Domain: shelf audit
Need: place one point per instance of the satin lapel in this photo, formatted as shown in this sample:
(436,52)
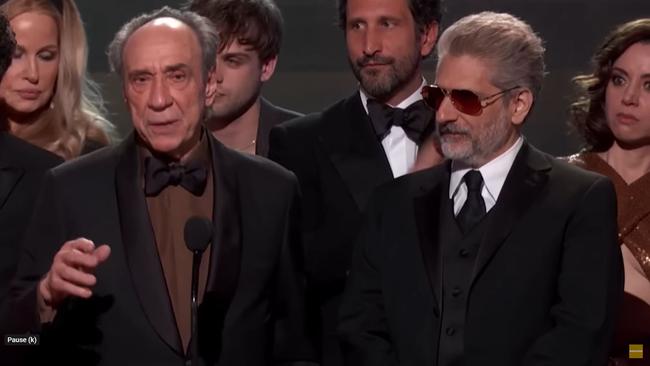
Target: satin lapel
(427,215)
(140,248)
(225,255)
(267,120)
(9,177)
(9,174)
(521,189)
(226,245)
(355,151)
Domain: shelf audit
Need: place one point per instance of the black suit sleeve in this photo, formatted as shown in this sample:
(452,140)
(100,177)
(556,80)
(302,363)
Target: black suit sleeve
(293,344)
(325,235)
(43,233)
(43,238)
(590,286)
(363,327)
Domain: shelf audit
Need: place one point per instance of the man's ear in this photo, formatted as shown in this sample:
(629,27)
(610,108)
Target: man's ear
(520,105)
(210,87)
(428,39)
(268,68)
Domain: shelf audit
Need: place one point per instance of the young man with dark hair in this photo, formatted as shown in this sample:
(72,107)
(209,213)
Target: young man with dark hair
(250,33)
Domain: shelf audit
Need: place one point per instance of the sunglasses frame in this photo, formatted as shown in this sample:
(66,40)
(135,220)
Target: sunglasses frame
(448,93)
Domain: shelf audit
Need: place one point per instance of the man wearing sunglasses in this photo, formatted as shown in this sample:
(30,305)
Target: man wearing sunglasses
(341,154)
(500,256)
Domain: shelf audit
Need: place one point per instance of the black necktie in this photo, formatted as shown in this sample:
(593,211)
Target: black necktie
(474,208)
(415,119)
(159,174)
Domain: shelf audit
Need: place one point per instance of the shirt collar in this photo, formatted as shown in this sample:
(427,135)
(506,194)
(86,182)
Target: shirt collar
(494,172)
(416,96)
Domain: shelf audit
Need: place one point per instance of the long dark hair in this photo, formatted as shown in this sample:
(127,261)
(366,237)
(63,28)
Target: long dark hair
(588,112)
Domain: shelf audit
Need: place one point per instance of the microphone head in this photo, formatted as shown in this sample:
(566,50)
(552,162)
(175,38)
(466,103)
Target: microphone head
(197,233)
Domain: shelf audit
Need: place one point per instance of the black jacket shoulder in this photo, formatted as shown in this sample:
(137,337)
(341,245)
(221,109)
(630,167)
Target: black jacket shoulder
(27,155)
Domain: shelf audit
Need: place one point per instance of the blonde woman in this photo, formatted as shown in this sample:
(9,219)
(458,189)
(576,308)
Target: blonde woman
(46,96)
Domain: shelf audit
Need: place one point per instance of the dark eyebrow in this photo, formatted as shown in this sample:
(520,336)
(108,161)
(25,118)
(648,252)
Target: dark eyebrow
(135,73)
(356,20)
(235,54)
(619,70)
(177,67)
(385,18)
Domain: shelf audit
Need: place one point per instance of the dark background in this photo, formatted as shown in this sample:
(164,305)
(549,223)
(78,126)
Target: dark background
(313,70)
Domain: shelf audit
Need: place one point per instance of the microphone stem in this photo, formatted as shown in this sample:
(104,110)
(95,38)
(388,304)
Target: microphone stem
(194,346)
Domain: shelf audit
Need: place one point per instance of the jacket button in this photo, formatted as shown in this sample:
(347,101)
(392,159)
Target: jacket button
(450,331)
(456,291)
(463,252)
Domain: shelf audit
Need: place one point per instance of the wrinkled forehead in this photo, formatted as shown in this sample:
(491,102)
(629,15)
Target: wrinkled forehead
(162,41)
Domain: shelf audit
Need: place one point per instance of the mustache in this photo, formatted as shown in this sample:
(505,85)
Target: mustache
(374,59)
(451,128)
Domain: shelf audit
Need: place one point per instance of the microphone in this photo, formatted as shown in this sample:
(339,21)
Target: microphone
(197,234)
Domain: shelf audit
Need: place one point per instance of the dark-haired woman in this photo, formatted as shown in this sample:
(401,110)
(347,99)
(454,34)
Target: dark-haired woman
(613,118)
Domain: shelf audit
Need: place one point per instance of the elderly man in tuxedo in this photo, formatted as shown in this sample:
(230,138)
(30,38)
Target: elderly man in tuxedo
(106,274)
(501,256)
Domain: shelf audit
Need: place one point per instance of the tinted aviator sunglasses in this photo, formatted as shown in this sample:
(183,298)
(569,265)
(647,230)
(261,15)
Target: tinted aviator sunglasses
(464,101)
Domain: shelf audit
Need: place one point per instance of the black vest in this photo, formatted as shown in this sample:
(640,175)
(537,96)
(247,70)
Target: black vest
(458,253)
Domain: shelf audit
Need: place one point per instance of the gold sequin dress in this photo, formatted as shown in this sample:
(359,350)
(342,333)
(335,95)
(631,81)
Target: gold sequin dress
(634,233)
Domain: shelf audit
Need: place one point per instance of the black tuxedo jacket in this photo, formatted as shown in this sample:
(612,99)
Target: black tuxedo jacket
(545,286)
(270,116)
(22,167)
(338,161)
(253,289)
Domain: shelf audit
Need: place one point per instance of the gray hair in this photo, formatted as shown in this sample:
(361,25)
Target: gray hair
(203,28)
(507,42)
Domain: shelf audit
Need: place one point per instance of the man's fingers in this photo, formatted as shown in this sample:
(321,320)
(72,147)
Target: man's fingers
(71,271)
(77,277)
(61,289)
(75,258)
(81,244)
(102,252)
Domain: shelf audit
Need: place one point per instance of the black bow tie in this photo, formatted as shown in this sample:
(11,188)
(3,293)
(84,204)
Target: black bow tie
(158,174)
(415,119)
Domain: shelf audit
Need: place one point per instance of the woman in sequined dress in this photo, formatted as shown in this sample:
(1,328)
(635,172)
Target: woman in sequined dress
(613,118)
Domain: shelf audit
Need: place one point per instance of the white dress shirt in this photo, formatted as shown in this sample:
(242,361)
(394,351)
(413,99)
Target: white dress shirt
(494,175)
(400,150)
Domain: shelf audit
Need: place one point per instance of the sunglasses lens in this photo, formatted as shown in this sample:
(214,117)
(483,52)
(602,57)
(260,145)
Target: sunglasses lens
(466,101)
(433,96)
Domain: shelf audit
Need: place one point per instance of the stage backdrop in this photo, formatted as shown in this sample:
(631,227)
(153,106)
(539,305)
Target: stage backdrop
(313,71)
